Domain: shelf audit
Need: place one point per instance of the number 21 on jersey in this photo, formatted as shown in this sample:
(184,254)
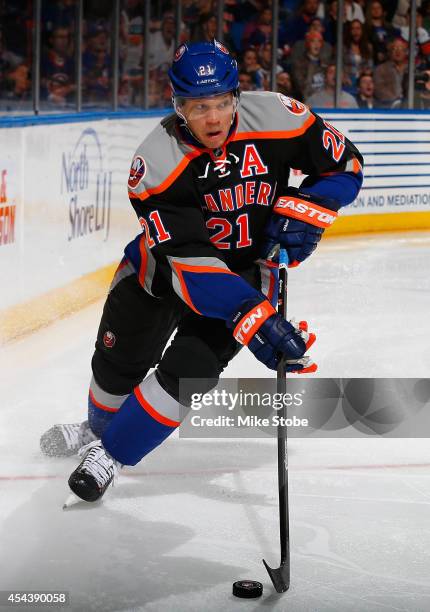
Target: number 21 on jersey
(157,233)
(225,230)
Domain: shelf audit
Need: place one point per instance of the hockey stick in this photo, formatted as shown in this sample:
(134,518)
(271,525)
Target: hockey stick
(280,576)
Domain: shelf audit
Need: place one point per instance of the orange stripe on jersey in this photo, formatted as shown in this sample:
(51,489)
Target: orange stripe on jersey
(356,168)
(101,406)
(277,134)
(204,269)
(311,213)
(184,289)
(181,268)
(232,138)
(271,264)
(169,180)
(249,324)
(151,410)
(143,260)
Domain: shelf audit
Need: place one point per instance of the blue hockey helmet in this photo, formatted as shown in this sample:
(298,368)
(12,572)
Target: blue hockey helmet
(203,69)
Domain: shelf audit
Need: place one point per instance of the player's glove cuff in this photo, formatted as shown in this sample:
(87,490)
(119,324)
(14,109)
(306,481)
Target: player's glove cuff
(297,224)
(307,209)
(270,337)
(249,318)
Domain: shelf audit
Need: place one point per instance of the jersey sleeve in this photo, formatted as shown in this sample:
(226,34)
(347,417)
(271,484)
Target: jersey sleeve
(305,142)
(176,241)
(332,162)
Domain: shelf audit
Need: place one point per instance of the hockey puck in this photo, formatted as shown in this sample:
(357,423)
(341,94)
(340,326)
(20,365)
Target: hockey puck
(247,589)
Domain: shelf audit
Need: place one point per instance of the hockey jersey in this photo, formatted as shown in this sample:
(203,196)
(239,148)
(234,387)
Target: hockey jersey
(203,211)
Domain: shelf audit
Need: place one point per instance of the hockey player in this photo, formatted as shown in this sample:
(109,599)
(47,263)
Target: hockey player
(210,188)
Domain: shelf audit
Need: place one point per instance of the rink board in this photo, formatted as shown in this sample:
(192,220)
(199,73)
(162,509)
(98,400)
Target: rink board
(65,215)
(396,189)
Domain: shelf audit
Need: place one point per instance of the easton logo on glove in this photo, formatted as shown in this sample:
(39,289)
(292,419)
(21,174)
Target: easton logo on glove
(305,211)
(252,321)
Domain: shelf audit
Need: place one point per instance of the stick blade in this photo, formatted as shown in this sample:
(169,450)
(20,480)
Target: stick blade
(280,576)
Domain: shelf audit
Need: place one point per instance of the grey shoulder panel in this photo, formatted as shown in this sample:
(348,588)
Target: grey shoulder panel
(158,158)
(267,111)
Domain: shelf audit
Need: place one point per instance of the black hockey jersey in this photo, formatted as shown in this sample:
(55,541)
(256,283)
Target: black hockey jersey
(203,211)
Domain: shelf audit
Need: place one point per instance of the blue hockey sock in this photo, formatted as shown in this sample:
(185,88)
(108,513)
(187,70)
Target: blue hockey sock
(102,407)
(147,417)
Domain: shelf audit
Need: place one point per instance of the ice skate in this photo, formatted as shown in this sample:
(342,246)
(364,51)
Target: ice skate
(66,440)
(94,474)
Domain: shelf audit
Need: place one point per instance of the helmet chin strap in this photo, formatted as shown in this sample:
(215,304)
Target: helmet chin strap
(177,111)
(184,119)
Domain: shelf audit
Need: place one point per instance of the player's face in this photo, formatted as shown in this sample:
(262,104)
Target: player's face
(209,119)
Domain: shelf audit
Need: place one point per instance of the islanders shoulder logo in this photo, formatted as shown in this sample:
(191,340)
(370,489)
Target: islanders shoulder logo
(137,171)
(293,106)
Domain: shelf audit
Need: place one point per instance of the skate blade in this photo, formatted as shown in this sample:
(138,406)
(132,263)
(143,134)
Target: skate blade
(72,500)
(75,502)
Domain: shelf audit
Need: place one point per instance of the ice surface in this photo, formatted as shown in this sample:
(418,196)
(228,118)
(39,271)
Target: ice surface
(195,516)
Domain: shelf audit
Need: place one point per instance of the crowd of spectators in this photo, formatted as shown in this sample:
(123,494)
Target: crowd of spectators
(15,54)
(374,50)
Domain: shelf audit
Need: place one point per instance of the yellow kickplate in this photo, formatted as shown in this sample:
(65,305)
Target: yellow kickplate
(22,319)
(380,222)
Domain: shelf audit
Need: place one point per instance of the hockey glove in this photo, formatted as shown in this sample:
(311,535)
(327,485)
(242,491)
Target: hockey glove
(297,224)
(258,326)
